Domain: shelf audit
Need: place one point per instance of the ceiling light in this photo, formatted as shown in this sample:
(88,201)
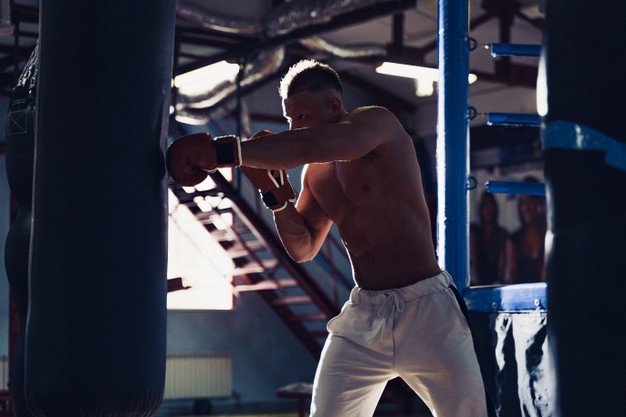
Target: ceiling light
(206,78)
(404,70)
(425,77)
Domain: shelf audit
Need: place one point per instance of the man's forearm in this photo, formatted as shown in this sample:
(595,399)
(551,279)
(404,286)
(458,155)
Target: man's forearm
(295,234)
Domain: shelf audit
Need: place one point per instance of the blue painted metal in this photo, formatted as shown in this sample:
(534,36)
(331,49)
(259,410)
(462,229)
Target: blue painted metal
(513,119)
(518,297)
(562,134)
(453,169)
(516,187)
(453,140)
(506,49)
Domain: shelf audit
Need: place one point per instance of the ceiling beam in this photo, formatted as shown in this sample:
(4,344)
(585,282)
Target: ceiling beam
(350,18)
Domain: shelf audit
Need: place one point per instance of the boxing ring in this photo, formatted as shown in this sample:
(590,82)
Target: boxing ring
(572,367)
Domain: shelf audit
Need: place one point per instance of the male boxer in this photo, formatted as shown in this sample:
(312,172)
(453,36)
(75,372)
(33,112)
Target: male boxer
(361,173)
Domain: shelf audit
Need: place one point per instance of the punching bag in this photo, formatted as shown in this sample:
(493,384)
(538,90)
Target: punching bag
(582,72)
(20,151)
(95,339)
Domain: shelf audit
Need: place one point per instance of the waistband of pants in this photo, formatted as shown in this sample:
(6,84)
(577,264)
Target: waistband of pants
(427,286)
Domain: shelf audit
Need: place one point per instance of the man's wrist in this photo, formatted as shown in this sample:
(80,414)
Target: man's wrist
(284,206)
(227,151)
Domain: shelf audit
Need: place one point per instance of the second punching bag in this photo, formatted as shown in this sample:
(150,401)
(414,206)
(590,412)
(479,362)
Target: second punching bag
(95,342)
(585,166)
(20,151)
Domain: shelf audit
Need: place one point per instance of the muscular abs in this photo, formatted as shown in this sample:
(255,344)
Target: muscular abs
(384,230)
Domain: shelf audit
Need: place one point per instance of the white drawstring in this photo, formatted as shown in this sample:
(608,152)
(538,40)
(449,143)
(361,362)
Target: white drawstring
(392,300)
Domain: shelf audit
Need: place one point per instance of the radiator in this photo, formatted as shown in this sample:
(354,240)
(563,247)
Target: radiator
(198,375)
(4,372)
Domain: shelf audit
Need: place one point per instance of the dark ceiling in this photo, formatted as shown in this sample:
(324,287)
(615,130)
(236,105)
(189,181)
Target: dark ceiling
(353,35)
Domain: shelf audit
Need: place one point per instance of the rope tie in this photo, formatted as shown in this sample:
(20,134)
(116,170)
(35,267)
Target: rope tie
(392,301)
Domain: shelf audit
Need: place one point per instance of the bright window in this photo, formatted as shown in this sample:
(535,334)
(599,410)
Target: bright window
(201,263)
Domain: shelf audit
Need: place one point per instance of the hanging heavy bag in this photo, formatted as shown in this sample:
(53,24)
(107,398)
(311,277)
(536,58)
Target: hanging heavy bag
(95,341)
(19,153)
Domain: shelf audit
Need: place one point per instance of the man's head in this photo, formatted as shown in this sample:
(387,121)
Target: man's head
(311,94)
(309,75)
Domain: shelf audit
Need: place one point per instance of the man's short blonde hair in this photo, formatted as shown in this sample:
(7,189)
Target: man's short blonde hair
(310,75)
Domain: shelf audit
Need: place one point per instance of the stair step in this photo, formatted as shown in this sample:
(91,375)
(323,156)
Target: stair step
(235,249)
(267,285)
(251,269)
(222,210)
(219,234)
(211,218)
(287,282)
(205,216)
(292,300)
(212,192)
(309,317)
(259,286)
(255,267)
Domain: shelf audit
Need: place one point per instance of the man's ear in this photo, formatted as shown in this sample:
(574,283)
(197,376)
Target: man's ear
(336,105)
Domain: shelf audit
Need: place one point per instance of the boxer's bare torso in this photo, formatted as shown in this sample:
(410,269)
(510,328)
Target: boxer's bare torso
(383,223)
(361,174)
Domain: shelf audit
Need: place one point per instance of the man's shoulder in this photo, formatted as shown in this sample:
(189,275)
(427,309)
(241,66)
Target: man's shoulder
(369,110)
(372,114)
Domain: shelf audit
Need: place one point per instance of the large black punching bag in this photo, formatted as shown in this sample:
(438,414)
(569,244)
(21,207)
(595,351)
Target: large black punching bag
(95,342)
(583,73)
(20,152)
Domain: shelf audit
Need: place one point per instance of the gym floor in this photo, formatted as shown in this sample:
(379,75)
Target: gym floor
(289,407)
(379,413)
(295,414)
(417,413)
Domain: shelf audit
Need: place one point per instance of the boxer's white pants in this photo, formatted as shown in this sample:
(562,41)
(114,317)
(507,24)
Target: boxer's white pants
(416,332)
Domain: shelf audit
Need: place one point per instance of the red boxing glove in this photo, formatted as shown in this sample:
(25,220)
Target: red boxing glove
(274,186)
(191,157)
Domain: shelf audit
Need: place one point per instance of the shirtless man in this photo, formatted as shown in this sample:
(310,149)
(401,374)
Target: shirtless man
(361,173)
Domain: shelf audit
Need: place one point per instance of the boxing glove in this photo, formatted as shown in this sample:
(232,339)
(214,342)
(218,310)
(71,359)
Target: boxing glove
(190,158)
(274,186)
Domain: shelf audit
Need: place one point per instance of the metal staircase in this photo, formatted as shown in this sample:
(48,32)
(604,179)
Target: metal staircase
(261,263)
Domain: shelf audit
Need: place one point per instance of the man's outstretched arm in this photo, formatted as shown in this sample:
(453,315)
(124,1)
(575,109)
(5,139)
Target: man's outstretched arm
(360,132)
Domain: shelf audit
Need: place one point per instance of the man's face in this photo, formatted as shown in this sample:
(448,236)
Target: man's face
(307,109)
